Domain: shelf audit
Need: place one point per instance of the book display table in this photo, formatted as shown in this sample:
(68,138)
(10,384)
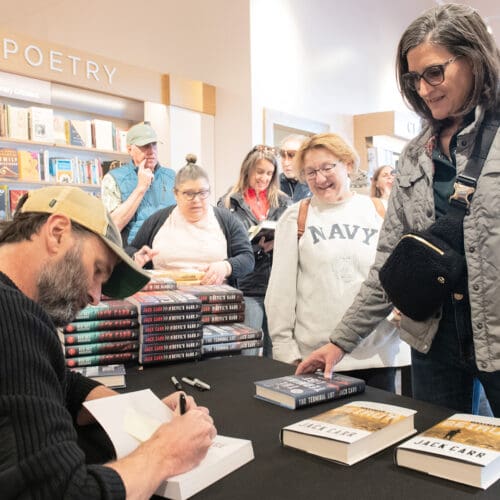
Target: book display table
(283,473)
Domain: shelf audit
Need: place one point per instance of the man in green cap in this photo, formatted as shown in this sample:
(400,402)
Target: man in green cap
(56,255)
(134,191)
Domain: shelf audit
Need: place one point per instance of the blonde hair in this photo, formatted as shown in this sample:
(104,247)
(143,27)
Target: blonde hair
(334,144)
(248,166)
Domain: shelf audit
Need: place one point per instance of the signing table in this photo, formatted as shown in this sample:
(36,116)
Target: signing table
(281,473)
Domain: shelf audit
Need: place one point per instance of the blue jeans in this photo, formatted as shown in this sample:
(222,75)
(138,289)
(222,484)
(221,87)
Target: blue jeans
(445,375)
(255,317)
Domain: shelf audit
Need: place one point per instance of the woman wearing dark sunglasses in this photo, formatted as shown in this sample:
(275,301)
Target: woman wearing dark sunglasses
(448,71)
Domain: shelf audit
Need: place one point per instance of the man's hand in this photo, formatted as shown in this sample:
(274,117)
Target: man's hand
(144,255)
(144,177)
(324,358)
(174,448)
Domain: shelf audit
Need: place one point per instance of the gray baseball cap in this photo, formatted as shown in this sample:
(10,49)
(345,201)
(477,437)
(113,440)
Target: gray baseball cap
(141,134)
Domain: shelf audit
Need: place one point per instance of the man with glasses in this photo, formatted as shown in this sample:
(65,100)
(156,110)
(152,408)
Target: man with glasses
(134,191)
(289,183)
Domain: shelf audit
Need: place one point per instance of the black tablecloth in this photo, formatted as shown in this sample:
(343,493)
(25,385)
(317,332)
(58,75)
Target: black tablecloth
(283,473)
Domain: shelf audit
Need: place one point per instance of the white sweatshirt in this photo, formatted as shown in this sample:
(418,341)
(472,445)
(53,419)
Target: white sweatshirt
(314,281)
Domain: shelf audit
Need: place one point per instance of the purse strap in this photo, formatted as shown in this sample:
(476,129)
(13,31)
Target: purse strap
(466,182)
(301,219)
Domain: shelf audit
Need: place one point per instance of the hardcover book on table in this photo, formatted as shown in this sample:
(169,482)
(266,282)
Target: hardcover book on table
(132,418)
(108,309)
(101,336)
(216,294)
(101,324)
(109,375)
(164,302)
(295,391)
(463,448)
(215,334)
(351,432)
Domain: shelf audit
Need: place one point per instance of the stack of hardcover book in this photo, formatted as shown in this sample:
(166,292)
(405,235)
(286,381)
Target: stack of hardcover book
(220,303)
(232,338)
(105,334)
(170,326)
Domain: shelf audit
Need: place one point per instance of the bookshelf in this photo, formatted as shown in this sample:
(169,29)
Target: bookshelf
(54,160)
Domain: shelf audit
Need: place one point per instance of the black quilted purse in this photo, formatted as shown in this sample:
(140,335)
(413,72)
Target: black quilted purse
(426,267)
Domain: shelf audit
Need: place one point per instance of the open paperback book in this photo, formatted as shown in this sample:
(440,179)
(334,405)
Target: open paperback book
(263,229)
(132,418)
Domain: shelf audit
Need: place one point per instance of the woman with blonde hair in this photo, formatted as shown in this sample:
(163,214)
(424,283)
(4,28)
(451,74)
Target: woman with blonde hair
(254,198)
(315,279)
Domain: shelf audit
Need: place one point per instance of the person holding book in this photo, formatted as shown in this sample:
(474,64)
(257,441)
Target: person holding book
(71,250)
(254,198)
(314,280)
(289,183)
(134,191)
(207,239)
(447,67)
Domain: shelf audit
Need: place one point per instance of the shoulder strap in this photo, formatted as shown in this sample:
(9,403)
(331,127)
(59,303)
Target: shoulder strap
(301,219)
(466,182)
(379,206)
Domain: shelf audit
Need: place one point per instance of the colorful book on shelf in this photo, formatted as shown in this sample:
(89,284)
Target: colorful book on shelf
(295,391)
(14,197)
(463,448)
(17,121)
(139,414)
(60,130)
(62,169)
(102,133)
(28,163)
(264,229)
(79,133)
(351,432)
(41,124)
(109,375)
(4,202)
(9,166)
(3,120)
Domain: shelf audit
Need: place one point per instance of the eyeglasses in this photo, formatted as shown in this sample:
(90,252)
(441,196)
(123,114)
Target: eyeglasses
(433,75)
(191,195)
(272,150)
(290,154)
(325,170)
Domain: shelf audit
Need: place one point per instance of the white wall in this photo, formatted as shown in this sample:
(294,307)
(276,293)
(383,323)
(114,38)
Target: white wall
(195,39)
(323,60)
(327,60)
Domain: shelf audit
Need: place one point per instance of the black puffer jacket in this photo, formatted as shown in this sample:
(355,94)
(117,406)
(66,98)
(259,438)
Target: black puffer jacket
(255,283)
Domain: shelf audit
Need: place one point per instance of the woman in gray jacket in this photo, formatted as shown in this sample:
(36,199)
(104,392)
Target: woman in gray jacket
(448,72)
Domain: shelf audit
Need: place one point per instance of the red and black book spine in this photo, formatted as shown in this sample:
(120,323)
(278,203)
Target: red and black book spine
(101,324)
(152,338)
(223,308)
(222,318)
(170,327)
(100,336)
(169,356)
(108,309)
(102,359)
(101,348)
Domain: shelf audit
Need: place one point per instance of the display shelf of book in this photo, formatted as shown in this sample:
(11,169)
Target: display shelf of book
(28,143)
(27,184)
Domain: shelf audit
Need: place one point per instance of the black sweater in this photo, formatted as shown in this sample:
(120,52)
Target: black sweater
(39,401)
